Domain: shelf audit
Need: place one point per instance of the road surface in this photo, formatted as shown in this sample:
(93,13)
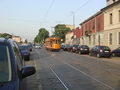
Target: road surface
(69,71)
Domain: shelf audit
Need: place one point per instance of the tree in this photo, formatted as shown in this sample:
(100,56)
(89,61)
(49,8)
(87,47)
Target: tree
(60,31)
(26,41)
(4,35)
(35,39)
(42,35)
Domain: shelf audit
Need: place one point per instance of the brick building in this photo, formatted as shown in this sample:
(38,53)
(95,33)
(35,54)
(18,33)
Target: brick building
(91,32)
(103,28)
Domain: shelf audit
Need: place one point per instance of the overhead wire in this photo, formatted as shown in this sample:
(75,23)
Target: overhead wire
(48,10)
(84,4)
(76,11)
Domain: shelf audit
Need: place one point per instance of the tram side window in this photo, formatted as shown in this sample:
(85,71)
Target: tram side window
(51,42)
(54,41)
(57,41)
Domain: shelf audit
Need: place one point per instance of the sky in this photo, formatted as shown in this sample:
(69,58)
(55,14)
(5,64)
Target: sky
(25,17)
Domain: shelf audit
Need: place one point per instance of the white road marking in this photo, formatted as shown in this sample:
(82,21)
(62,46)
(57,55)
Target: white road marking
(59,79)
(53,54)
(90,76)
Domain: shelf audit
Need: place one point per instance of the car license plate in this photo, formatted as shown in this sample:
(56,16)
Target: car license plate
(85,49)
(106,51)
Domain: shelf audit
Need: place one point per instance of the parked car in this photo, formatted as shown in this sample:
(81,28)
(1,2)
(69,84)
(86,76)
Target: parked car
(116,52)
(74,48)
(66,47)
(100,51)
(30,47)
(83,49)
(62,46)
(12,68)
(37,46)
(25,52)
(69,48)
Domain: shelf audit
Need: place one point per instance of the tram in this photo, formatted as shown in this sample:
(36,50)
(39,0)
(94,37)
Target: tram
(52,43)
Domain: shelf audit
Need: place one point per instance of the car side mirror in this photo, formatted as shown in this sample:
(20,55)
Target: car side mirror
(28,71)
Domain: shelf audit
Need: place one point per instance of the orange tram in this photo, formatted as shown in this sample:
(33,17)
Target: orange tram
(52,43)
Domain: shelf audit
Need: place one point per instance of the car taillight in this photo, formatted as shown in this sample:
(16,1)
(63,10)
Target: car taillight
(101,50)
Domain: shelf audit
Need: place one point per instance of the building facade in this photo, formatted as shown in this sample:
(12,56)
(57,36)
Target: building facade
(109,2)
(69,38)
(77,34)
(103,28)
(92,30)
(70,26)
(112,25)
(17,38)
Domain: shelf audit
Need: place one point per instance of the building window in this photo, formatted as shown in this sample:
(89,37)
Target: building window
(99,39)
(93,25)
(111,17)
(119,38)
(99,25)
(93,39)
(119,15)
(110,38)
(89,40)
(83,40)
(82,30)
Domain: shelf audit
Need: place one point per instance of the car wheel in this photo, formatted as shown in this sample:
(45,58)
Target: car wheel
(80,52)
(98,55)
(90,54)
(28,58)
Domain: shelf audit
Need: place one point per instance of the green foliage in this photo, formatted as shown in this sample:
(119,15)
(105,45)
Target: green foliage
(4,35)
(60,31)
(42,35)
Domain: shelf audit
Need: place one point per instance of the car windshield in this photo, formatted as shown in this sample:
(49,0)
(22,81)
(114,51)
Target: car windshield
(5,64)
(23,47)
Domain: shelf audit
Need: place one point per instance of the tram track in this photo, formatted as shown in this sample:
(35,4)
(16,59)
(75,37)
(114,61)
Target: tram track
(59,68)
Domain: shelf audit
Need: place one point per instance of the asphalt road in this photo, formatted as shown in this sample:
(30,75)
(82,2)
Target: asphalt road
(69,71)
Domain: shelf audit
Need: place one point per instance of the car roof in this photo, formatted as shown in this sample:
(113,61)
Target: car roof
(101,46)
(23,45)
(2,39)
(6,40)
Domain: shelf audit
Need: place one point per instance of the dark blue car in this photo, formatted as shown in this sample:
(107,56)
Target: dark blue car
(116,52)
(25,52)
(12,69)
(100,51)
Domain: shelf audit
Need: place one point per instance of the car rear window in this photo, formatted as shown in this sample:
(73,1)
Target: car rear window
(105,47)
(75,45)
(84,46)
(24,47)
(5,64)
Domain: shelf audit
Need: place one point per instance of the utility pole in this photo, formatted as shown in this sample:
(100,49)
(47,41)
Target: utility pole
(52,30)
(73,19)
